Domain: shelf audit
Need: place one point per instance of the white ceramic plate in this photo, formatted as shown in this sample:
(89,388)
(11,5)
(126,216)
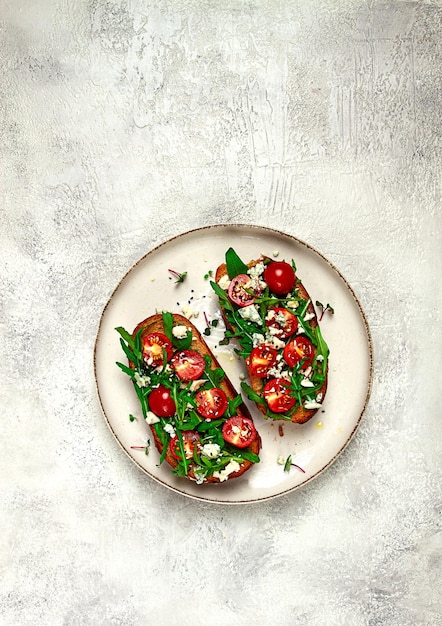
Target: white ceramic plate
(148,288)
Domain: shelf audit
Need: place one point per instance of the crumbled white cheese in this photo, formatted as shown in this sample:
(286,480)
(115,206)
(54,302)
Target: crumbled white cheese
(142,381)
(280,460)
(278,371)
(256,270)
(251,314)
(231,467)
(312,404)
(274,341)
(180,332)
(189,312)
(319,397)
(275,253)
(271,314)
(257,339)
(196,384)
(275,331)
(320,358)
(170,430)
(151,418)
(224,282)
(199,475)
(306,382)
(309,317)
(292,304)
(210,450)
(280,318)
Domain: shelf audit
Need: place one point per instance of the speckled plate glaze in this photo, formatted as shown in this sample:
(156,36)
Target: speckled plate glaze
(147,288)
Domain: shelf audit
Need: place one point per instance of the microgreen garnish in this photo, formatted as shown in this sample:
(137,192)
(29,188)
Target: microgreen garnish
(209,324)
(146,448)
(289,464)
(179,276)
(325,308)
(208,275)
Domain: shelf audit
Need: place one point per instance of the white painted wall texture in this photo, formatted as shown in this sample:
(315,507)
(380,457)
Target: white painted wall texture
(125,123)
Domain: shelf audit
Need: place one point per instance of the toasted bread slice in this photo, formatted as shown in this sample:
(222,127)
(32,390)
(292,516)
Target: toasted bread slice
(155,324)
(299,414)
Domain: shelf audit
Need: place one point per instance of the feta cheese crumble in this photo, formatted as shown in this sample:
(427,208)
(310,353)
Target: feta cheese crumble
(210,450)
(142,381)
(151,418)
(170,430)
(189,312)
(224,282)
(180,332)
(251,314)
(231,467)
(306,382)
(312,404)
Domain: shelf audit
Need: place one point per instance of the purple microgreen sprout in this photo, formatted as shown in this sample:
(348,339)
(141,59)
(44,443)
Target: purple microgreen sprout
(145,448)
(289,464)
(179,276)
(325,308)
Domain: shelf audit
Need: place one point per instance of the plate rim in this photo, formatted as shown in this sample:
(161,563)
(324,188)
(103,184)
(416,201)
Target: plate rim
(312,249)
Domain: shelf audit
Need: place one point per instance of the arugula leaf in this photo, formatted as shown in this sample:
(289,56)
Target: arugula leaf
(234,404)
(128,352)
(227,305)
(251,394)
(234,264)
(126,336)
(167,324)
(127,370)
(142,399)
(183,344)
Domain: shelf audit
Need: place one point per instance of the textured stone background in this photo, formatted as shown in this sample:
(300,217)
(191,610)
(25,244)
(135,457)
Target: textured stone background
(124,123)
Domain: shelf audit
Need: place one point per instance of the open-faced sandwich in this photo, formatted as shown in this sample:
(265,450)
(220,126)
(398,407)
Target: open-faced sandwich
(269,312)
(198,421)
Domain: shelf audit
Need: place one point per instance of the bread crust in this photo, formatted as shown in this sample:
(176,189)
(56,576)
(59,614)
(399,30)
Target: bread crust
(300,415)
(154,324)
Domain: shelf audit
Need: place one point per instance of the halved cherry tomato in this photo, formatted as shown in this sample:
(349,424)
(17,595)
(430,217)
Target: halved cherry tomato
(237,293)
(284,321)
(261,359)
(152,346)
(300,348)
(190,440)
(277,394)
(211,403)
(161,402)
(239,431)
(279,277)
(188,364)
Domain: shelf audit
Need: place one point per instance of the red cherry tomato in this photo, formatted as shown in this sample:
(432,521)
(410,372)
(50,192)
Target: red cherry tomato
(152,346)
(161,402)
(284,321)
(211,403)
(239,431)
(190,440)
(188,364)
(277,394)
(261,359)
(279,277)
(300,349)
(236,290)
